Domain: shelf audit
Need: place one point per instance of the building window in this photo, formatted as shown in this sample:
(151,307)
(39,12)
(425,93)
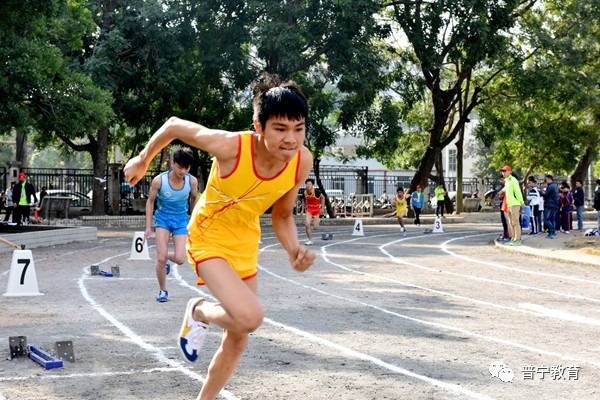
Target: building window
(452,160)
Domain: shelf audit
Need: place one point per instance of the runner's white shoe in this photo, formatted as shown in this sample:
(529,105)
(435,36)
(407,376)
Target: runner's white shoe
(193,333)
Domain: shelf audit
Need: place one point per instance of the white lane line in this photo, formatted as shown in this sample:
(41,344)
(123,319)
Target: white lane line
(436,324)
(423,288)
(347,351)
(496,265)
(135,338)
(556,313)
(480,279)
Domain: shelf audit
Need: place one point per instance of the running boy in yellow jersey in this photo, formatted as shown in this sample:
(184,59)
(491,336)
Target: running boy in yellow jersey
(251,171)
(401,207)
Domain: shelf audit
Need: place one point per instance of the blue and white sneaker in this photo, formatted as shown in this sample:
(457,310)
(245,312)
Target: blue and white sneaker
(168,267)
(193,333)
(163,296)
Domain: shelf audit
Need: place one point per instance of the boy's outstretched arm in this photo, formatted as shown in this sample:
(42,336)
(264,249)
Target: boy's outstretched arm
(221,144)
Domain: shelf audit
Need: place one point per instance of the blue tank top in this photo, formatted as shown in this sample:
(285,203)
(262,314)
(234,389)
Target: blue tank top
(173,201)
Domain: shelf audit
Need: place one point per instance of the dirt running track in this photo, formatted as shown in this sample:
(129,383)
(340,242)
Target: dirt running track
(381,316)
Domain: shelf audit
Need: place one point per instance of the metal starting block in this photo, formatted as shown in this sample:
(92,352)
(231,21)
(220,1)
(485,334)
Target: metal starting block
(44,359)
(96,271)
(18,346)
(64,350)
(327,236)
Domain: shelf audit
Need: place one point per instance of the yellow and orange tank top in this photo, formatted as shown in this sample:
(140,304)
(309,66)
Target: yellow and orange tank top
(225,221)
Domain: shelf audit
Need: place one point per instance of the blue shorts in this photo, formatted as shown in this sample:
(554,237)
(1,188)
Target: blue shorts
(174,223)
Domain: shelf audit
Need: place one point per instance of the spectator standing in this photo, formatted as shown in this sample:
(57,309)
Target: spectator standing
(566,208)
(417,201)
(534,201)
(597,201)
(515,202)
(10,205)
(551,203)
(506,228)
(440,196)
(579,202)
(22,194)
(43,194)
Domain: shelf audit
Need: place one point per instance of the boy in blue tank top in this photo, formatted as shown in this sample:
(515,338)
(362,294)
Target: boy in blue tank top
(174,191)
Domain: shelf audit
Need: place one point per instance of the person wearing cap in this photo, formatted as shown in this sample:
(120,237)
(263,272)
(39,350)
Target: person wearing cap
(417,201)
(534,201)
(22,194)
(515,202)
(551,202)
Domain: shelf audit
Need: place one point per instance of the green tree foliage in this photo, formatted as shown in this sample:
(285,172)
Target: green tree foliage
(544,115)
(453,44)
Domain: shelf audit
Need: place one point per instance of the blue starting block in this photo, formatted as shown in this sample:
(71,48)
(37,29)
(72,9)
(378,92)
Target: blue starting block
(44,359)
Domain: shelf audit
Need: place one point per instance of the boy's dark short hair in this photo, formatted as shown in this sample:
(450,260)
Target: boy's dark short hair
(580,181)
(274,98)
(597,181)
(550,177)
(400,189)
(311,180)
(532,179)
(183,156)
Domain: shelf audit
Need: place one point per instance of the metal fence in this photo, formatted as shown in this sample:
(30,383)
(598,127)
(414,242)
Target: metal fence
(340,181)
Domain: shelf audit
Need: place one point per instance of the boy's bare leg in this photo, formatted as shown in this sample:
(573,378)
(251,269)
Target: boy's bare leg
(307,223)
(244,314)
(223,364)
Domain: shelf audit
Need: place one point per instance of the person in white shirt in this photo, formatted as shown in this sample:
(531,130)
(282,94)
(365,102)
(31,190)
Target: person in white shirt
(534,201)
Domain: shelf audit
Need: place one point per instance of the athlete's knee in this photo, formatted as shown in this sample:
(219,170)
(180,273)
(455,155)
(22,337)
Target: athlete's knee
(250,319)
(179,259)
(161,258)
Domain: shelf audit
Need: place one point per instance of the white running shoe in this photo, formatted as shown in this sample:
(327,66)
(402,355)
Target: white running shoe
(193,333)
(308,242)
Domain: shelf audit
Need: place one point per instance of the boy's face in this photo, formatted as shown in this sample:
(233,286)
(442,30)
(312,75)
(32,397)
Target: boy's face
(283,137)
(179,170)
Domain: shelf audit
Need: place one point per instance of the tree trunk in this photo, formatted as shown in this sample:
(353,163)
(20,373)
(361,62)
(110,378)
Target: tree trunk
(586,159)
(99,153)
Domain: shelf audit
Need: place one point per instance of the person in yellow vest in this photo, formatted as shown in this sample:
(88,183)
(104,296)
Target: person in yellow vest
(251,172)
(515,202)
(22,194)
(401,207)
(440,196)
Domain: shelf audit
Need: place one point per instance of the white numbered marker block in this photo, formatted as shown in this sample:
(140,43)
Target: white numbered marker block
(358,228)
(22,280)
(437,225)
(139,248)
